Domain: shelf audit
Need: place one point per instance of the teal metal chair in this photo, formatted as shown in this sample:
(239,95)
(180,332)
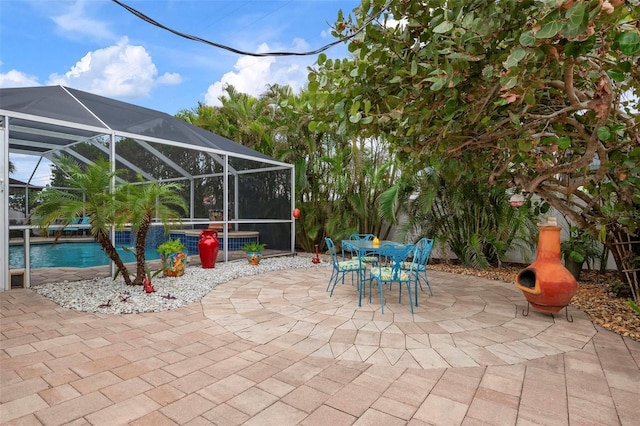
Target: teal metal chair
(424,246)
(396,257)
(342,267)
(78,221)
(68,228)
(85,221)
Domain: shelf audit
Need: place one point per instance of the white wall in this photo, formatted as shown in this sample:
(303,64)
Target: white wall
(441,252)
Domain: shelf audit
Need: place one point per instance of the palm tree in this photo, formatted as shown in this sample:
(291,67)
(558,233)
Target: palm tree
(89,193)
(145,201)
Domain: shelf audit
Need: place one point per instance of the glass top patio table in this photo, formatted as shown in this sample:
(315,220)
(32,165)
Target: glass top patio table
(366,248)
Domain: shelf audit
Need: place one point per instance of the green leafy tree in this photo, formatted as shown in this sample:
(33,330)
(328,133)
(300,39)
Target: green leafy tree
(242,118)
(338,177)
(541,93)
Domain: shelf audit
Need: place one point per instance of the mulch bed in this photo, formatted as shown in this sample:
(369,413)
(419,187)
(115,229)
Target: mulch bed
(596,295)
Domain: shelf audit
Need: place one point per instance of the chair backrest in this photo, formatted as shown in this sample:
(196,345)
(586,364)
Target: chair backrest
(70,227)
(424,246)
(362,237)
(331,247)
(396,255)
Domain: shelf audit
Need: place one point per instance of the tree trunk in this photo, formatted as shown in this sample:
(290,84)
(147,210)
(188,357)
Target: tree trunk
(112,253)
(141,237)
(625,249)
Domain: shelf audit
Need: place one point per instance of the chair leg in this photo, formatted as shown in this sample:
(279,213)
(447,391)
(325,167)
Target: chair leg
(409,292)
(421,289)
(333,273)
(333,287)
(381,296)
(361,286)
(335,282)
(380,291)
(426,280)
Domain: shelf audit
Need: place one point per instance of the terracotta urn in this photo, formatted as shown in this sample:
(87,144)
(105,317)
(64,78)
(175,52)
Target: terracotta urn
(547,285)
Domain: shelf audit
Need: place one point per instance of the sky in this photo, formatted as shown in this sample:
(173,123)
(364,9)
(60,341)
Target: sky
(99,47)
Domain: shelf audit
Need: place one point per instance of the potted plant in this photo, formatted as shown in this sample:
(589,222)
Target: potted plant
(579,248)
(174,257)
(254,252)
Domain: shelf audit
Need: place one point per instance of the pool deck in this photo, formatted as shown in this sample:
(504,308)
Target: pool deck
(276,349)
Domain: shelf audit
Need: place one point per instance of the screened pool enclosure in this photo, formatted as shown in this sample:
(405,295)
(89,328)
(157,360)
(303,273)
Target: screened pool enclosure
(243,194)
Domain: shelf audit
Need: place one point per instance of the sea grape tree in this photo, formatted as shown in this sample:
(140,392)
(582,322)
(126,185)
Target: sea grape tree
(543,94)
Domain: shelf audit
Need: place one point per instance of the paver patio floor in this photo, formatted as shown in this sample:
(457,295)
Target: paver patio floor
(274,349)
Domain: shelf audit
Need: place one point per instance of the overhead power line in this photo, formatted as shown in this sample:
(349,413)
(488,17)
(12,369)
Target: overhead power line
(242,52)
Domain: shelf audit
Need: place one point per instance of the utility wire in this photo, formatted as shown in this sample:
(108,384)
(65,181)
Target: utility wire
(242,52)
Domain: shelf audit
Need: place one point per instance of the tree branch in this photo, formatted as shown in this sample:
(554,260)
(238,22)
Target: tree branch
(485,102)
(568,82)
(578,107)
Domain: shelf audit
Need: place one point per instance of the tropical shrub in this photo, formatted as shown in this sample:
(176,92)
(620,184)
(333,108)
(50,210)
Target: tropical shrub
(471,218)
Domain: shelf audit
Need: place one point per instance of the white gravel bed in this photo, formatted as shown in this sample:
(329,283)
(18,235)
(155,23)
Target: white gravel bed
(109,296)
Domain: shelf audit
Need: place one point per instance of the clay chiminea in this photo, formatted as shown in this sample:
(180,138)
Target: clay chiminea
(547,285)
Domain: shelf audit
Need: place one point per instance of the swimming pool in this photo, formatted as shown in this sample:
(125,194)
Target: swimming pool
(69,254)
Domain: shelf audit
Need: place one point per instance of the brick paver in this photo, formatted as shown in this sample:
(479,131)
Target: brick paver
(276,349)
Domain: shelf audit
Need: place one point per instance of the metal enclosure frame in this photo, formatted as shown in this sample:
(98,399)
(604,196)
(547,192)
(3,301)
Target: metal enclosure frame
(48,121)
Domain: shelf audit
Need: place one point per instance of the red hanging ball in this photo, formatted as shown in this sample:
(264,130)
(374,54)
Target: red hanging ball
(296,213)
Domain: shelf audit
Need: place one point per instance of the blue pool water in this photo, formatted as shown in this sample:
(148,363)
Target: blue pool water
(73,254)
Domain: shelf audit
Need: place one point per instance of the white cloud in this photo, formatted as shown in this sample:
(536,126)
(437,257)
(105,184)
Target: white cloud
(74,23)
(120,71)
(252,75)
(15,78)
(170,78)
